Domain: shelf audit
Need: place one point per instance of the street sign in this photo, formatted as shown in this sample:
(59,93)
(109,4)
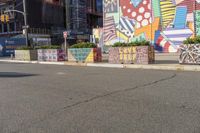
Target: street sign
(24,31)
(65,34)
(25,27)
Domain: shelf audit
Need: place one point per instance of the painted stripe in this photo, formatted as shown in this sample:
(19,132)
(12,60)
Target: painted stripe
(167,11)
(159,40)
(178,35)
(175,32)
(166,47)
(178,39)
(180,17)
(156,8)
(163,42)
(177,42)
(122,24)
(127,24)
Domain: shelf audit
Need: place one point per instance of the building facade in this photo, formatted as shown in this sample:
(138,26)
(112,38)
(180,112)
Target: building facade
(44,18)
(82,16)
(47,19)
(165,23)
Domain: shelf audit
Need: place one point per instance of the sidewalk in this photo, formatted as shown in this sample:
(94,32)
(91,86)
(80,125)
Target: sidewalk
(163,62)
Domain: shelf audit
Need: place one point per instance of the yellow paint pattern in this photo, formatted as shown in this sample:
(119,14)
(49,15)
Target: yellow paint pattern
(90,57)
(191,26)
(122,35)
(167,11)
(127,54)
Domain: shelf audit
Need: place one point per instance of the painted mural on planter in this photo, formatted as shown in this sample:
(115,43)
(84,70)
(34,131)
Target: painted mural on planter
(51,55)
(165,23)
(84,55)
(122,53)
(189,54)
(189,51)
(26,55)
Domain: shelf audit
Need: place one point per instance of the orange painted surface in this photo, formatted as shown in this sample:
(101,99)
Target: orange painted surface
(149,30)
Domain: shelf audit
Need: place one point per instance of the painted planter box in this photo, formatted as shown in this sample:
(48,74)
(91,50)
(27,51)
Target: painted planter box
(26,55)
(84,55)
(52,55)
(189,54)
(132,55)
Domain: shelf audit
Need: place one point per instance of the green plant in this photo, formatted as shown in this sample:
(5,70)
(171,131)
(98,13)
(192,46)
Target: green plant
(144,43)
(48,47)
(197,40)
(120,44)
(190,41)
(140,43)
(84,45)
(136,43)
(25,48)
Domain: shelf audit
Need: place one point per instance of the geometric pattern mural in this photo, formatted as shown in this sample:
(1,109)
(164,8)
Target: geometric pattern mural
(165,23)
(84,54)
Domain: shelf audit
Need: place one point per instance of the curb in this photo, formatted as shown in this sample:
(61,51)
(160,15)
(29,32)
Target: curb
(105,65)
(33,62)
(174,67)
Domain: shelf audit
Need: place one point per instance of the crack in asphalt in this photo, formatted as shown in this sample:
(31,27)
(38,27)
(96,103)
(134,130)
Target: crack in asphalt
(119,91)
(98,97)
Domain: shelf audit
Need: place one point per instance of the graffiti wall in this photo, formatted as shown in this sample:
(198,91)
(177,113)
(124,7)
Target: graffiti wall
(165,23)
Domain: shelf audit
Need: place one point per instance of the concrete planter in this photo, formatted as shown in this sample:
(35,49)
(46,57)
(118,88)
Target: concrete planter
(52,55)
(132,55)
(26,55)
(84,55)
(189,54)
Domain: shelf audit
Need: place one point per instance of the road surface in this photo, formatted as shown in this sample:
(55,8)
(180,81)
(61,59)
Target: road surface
(64,99)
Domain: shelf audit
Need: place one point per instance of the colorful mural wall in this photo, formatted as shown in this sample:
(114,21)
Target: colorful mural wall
(165,23)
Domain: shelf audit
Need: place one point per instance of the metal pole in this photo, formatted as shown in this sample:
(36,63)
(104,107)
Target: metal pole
(25,22)
(65,47)
(194,14)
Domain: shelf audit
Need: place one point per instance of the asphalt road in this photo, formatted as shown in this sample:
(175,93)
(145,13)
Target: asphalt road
(64,99)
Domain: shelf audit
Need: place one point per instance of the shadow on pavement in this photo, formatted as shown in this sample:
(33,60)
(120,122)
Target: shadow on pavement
(166,62)
(15,75)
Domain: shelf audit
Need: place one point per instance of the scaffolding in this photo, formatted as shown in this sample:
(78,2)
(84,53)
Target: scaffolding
(77,12)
